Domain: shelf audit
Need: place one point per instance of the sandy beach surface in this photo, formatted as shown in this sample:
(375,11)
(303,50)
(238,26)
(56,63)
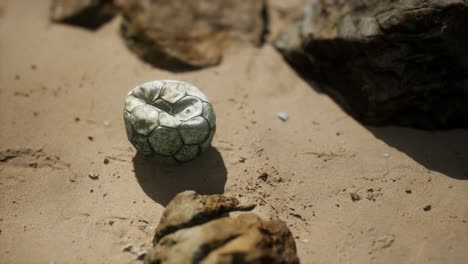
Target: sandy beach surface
(350,193)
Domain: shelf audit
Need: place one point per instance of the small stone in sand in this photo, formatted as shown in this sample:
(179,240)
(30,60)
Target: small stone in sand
(283,116)
(263,176)
(427,207)
(93,176)
(355,197)
(90,138)
(106,161)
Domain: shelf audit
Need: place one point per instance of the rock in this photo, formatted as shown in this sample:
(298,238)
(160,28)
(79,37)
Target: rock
(283,116)
(182,35)
(386,62)
(281,14)
(218,238)
(189,209)
(89,14)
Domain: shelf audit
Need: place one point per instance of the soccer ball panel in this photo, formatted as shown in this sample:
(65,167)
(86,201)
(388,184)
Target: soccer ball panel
(208,114)
(193,91)
(188,107)
(141,144)
(165,141)
(172,92)
(187,152)
(207,143)
(194,131)
(131,102)
(128,126)
(163,106)
(144,119)
(148,91)
(166,120)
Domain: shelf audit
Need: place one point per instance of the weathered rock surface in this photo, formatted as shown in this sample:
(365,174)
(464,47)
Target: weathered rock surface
(196,229)
(89,14)
(190,208)
(182,35)
(281,14)
(402,62)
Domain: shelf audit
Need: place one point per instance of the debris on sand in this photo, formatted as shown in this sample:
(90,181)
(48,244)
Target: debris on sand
(283,116)
(242,159)
(427,208)
(355,197)
(93,176)
(263,176)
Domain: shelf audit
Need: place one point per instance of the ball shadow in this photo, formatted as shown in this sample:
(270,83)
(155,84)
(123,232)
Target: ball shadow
(206,174)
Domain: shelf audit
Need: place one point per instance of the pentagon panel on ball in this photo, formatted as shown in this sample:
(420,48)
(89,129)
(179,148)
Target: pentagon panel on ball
(169,120)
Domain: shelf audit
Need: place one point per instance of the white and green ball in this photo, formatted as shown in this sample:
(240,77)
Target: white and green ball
(169,120)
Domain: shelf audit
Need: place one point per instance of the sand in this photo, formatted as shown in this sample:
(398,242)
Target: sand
(350,193)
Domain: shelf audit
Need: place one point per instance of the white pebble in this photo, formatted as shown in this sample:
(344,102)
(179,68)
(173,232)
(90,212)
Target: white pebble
(386,155)
(283,116)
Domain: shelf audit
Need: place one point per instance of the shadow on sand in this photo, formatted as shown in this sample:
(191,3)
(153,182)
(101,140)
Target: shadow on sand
(206,174)
(442,151)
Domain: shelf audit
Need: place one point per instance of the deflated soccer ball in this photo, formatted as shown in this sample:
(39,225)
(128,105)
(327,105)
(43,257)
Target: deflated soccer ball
(169,120)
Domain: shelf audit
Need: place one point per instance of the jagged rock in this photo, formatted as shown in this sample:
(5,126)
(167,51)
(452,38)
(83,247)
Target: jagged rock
(281,14)
(402,62)
(89,14)
(189,209)
(182,35)
(202,232)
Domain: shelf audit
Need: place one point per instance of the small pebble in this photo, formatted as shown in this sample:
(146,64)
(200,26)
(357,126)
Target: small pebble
(93,176)
(305,240)
(386,155)
(283,116)
(106,161)
(427,207)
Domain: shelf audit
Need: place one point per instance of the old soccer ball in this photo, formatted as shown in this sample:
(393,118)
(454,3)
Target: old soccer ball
(171,121)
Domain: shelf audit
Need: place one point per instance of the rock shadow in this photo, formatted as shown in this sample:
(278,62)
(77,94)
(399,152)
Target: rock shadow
(442,151)
(206,174)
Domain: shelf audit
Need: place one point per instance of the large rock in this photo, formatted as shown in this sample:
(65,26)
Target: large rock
(196,229)
(89,14)
(390,61)
(182,35)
